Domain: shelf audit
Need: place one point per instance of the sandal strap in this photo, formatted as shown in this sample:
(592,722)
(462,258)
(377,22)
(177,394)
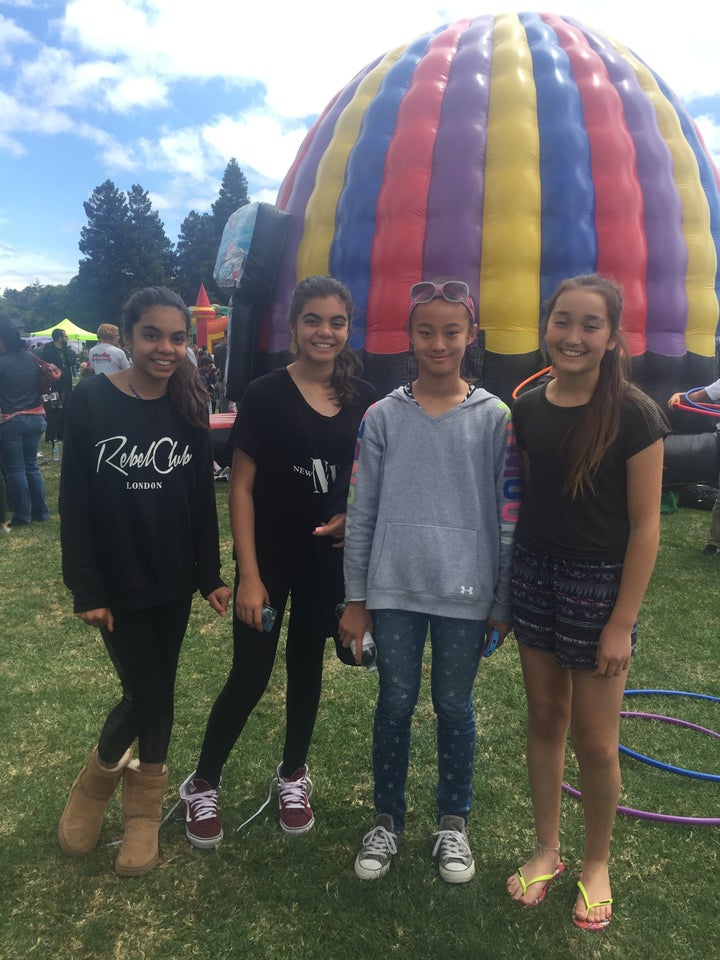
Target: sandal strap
(543,877)
(589,906)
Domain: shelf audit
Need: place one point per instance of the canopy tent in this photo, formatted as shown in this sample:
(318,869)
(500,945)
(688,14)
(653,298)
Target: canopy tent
(73,332)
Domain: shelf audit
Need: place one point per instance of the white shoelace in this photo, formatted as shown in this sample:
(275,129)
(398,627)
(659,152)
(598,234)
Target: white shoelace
(378,844)
(294,794)
(203,805)
(454,845)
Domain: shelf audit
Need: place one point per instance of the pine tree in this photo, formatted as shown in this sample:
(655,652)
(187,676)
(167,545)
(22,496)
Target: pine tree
(125,249)
(197,249)
(105,275)
(153,255)
(233,194)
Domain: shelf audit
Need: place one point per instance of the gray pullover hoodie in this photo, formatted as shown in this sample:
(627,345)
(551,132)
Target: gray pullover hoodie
(432,508)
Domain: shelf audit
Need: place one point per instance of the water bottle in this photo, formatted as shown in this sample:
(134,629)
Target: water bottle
(56,450)
(369,652)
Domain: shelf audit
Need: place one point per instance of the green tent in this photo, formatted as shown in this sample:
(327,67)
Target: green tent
(73,332)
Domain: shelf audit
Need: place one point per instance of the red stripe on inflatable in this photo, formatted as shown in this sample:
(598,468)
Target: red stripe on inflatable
(396,259)
(619,208)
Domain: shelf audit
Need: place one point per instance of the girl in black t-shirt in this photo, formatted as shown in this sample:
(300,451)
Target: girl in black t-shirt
(139,535)
(294,439)
(591,448)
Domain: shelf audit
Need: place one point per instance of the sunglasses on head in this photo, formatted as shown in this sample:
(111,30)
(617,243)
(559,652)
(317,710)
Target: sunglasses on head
(454,291)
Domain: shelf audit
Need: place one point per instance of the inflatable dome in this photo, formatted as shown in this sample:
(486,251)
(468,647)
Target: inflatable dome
(511,151)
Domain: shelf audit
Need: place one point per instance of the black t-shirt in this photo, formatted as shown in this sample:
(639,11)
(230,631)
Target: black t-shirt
(19,382)
(593,525)
(302,458)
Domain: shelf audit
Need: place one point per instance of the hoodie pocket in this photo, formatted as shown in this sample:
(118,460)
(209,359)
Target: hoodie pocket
(429,560)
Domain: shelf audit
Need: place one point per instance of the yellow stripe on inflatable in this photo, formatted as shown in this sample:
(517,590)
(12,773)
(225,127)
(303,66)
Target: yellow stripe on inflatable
(313,255)
(702,258)
(511,239)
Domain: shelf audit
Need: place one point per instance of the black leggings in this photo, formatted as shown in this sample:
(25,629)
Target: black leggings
(253,659)
(144,648)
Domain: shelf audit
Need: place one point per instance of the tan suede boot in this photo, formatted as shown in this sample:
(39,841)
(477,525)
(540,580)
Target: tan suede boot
(82,818)
(142,812)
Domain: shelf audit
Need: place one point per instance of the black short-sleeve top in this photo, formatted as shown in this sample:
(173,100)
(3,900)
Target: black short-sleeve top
(595,524)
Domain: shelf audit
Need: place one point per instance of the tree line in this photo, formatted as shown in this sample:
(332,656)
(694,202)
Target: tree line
(125,247)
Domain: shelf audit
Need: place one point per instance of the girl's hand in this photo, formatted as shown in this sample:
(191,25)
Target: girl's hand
(614,652)
(219,600)
(249,599)
(353,624)
(335,528)
(102,617)
(675,399)
(502,628)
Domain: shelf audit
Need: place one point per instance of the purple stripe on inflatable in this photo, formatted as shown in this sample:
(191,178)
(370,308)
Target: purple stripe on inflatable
(667,306)
(296,205)
(455,199)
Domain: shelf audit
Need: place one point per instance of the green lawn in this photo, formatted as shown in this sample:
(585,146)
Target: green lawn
(262,895)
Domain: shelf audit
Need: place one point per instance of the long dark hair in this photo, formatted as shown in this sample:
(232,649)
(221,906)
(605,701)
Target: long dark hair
(10,336)
(347,367)
(185,388)
(597,427)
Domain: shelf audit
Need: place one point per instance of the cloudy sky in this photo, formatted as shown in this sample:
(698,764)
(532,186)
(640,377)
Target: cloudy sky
(163,92)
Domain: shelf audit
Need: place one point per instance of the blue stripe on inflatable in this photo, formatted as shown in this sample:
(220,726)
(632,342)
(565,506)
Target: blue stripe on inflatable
(569,242)
(355,220)
(707,177)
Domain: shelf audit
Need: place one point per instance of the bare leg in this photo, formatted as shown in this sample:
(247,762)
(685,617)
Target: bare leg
(595,735)
(548,688)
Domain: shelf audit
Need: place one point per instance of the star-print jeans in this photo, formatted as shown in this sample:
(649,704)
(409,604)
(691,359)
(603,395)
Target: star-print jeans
(456,644)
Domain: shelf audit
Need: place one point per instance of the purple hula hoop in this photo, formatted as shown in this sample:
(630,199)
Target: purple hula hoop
(647,814)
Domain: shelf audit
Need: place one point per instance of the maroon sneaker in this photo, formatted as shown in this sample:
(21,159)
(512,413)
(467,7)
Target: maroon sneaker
(202,823)
(294,793)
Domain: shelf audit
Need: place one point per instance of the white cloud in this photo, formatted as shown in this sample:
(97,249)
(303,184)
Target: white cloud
(108,60)
(20,267)
(710,130)
(138,92)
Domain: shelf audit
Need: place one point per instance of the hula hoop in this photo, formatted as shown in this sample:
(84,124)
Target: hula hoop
(648,814)
(683,771)
(688,409)
(692,406)
(528,380)
(673,693)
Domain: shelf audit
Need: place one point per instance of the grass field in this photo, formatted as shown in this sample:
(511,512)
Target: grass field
(262,896)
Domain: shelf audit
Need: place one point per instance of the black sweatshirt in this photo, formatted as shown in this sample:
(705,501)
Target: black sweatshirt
(138,521)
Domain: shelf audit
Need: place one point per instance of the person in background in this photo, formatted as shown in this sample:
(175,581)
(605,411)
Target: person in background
(23,420)
(58,353)
(431,512)
(591,449)
(139,536)
(106,356)
(220,358)
(709,394)
(208,376)
(294,437)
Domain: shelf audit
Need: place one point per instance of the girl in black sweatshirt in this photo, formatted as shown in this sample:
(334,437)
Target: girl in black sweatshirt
(139,535)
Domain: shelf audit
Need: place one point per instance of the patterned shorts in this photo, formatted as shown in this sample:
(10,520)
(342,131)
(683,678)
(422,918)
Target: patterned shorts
(561,605)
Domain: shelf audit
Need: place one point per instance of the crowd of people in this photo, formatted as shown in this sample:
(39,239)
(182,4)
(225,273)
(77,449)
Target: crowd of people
(435,513)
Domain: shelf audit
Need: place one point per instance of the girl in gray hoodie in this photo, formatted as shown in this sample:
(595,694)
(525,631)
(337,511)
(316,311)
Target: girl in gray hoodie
(431,512)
